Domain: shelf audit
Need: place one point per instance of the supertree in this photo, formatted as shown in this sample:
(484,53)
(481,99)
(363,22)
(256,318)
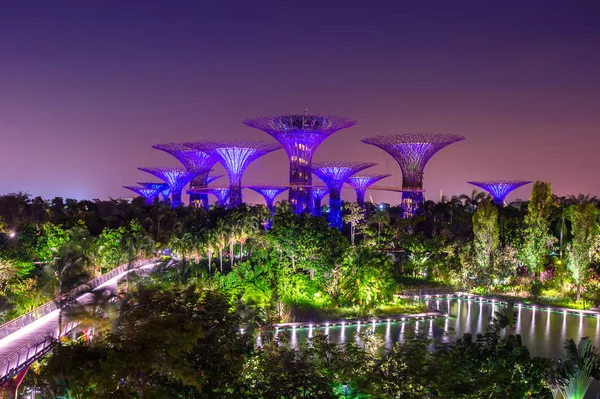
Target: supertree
(317,196)
(149,194)
(335,174)
(269,193)
(499,189)
(412,152)
(235,156)
(176,179)
(162,188)
(195,161)
(362,183)
(198,194)
(300,136)
(222,195)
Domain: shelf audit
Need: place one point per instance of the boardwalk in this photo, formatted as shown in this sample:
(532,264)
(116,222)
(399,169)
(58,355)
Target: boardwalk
(21,347)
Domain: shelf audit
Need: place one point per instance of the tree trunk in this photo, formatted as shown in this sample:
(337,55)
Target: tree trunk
(352,233)
(578,291)
(231,253)
(241,250)
(221,260)
(209,262)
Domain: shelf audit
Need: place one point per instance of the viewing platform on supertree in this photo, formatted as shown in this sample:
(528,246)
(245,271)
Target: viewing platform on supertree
(334,175)
(194,161)
(221,193)
(318,193)
(162,188)
(235,156)
(269,193)
(361,183)
(300,136)
(148,194)
(176,179)
(499,189)
(412,152)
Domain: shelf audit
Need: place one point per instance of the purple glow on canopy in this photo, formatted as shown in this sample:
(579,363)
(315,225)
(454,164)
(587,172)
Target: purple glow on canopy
(269,193)
(235,156)
(362,183)
(335,174)
(222,195)
(176,179)
(412,152)
(499,189)
(149,194)
(163,188)
(300,136)
(317,196)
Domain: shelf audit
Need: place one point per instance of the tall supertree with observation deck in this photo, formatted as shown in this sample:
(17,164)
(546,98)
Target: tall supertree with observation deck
(195,161)
(162,188)
(148,194)
(499,189)
(362,183)
(300,136)
(175,178)
(318,193)
(235,156)
(412,152)
(269,193)
(335,174)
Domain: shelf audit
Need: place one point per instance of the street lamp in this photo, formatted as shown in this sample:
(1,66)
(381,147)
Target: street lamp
(345,389)
(12,234)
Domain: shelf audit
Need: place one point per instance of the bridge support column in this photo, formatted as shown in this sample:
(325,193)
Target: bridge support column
(9,389)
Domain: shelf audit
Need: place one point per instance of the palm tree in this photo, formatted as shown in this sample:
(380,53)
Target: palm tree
(574,373)
(474,199)
(221,240)
(582,199)
(93,314)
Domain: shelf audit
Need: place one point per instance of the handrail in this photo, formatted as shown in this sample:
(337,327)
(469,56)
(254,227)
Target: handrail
(11,364)
(16,324)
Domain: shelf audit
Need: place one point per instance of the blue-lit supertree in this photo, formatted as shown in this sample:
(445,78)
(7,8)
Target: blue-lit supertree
(198,162)
(222,195)
(269,193)
(412,152)
(176,178)
(499,189)
(162,188)
(149,194)
(235,156)
(335,174)
(300,136)
(362,183)
(317,196)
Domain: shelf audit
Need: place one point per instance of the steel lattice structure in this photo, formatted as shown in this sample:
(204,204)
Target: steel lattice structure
(499,189)
(300,136)
(335,174)
(176,178)
(162,188)
(317,196)
(235,156)
(149,194)
(269,193)
(222,195)
(200,198)
(412,152)
(362,183)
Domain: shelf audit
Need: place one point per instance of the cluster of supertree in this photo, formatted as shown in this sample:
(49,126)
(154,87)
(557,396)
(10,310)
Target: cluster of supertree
(300,136)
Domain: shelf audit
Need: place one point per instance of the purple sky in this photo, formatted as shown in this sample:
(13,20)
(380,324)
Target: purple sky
(87,86)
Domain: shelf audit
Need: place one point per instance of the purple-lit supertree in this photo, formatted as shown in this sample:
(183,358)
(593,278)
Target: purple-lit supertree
(176,179)
(317,196)
(300,136)
(362,183)
(222,195)
(149,194)
(269,193)
(195,161)
(335,174)
(235,156)
(499,188)
(412,152)
(162,188)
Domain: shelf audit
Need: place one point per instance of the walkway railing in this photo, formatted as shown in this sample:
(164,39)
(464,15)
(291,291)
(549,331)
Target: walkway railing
(16,324)
(423,292)
(22,357)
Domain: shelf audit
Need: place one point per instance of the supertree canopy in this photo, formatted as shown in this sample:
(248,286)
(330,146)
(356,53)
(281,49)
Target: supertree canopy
(222,195)
(335,174)
(499,189)
(317,196)
(362,183)
(194,161)
(235,156)
(149,194)
(162,188)
(269,193)
(176,179)
(412,152)
(300,136)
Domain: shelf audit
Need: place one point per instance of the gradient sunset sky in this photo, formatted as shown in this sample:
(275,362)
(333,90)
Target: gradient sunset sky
(87,86)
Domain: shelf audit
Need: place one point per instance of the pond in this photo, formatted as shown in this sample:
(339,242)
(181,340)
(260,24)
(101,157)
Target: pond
(543,330)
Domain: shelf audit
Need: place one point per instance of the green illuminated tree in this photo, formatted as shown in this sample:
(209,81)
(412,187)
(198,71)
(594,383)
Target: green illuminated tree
(354,216)
(585,229)
(487,239)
